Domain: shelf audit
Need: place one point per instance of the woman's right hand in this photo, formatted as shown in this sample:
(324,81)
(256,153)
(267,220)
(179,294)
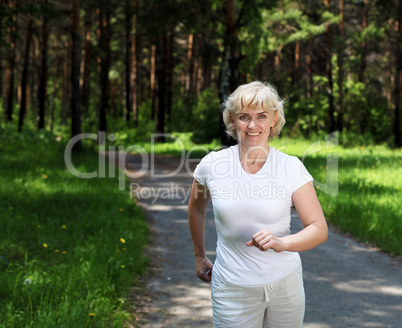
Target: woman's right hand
(204,268)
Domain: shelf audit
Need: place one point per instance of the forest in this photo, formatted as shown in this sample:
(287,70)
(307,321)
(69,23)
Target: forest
(162,66)
(71,250)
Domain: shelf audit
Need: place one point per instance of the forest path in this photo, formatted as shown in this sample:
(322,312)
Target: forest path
(347,284)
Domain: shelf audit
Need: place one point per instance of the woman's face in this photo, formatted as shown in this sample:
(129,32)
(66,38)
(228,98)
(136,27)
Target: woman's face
(253,126)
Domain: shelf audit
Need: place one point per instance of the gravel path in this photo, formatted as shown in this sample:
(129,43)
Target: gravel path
(347,284)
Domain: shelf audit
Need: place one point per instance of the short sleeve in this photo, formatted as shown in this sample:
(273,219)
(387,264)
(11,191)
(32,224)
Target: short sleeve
(300,175)
(202,171)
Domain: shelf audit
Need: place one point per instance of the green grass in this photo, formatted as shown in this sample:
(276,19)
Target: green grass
(69,248)
(368,203)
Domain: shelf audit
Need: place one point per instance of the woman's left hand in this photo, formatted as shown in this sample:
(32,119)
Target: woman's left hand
(264,240)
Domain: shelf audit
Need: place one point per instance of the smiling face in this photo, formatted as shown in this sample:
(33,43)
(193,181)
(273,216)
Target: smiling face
(253,126)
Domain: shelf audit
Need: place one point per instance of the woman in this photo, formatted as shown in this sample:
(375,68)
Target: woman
(257,275)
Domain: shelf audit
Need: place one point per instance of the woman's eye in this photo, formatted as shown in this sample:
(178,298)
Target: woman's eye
(243,117)
(262,117)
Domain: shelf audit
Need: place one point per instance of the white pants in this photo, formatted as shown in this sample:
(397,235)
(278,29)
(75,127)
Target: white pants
(280,305)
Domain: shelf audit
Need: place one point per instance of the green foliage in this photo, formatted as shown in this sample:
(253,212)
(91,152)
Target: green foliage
(206,117)
(69,247)
(291,24)
(182,117)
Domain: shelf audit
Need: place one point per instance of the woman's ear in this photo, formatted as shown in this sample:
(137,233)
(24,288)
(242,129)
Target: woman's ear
(275,119)
(231,118)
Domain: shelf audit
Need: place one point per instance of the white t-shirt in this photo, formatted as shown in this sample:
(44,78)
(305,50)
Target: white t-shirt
(245,203)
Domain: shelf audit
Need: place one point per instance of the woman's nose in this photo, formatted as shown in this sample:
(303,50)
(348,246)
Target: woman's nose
(251,123)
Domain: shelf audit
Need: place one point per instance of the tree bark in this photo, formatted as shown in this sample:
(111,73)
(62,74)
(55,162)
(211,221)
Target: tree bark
(128,63)
(153,81)
(42,91)
(331,112)
(12,34)
(161,69)
(54,93)
(1,54)
(134,69)
(75,74)
(296,64)
(66,84)
(398,77)
(363,46)
(24,76)
(86,80)
(229,73)
(340,108)
(190,63)
(309,84)
(169,72)
(105,58)
(363,64)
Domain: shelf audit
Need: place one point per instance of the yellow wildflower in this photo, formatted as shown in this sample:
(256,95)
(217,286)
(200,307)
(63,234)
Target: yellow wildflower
(64,252)
(38,226)
(63,226)
(57,251)
(44,245)
(123,240)
(92,314)
(44,176)
(121,210)
(123,266)
(124,249)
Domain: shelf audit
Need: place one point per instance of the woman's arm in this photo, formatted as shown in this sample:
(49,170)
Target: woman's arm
(197,205)
(315,230)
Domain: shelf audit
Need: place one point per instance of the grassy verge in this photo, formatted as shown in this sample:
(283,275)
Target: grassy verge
(367,203)
(69,247)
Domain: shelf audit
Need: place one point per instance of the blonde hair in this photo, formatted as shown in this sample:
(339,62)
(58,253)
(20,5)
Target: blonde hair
(253,95)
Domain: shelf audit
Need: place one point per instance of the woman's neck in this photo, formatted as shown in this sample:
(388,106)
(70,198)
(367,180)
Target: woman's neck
(253,155)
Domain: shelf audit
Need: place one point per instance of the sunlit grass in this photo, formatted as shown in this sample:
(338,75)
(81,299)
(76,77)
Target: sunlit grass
(368,203)
(63,262)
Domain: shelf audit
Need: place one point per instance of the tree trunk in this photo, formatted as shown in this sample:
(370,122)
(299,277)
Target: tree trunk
(12,34)
(153,80)
(363,61)
(398,77)
(309,82)
(340,108)
(363,64)
(190,63)
(42,91)
(229,73)
(128,55)
(296,64)
(169,73)
(86,79)
(134,66)
(66,84)
(54,94)
(330,95)
(105,57)
(24,77)
(75,74)
(161,69)
(1,54)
